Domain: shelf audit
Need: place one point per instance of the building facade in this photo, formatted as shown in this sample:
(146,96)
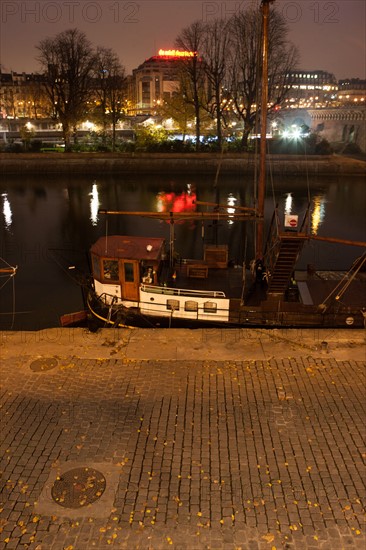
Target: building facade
(155,81)
(22,96)
(351,91)
(311,89)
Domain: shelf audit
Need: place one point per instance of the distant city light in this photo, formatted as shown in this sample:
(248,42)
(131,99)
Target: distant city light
(89,125)
(295,132)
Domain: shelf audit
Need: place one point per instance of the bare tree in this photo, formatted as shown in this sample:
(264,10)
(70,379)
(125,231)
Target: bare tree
(67,61)
(109,80)
(191,39)
(283,58)
(216,53)
(245,82)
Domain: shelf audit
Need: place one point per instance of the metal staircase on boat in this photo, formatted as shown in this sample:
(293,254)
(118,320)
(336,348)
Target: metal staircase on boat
(281,269)
(281,254)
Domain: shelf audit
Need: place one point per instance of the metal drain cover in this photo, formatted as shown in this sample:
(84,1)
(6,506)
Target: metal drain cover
(78,487)
(43,364)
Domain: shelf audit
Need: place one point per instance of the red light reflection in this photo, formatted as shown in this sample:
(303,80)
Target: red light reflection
(176,202)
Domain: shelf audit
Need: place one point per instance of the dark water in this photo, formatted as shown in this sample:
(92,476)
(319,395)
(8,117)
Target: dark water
(48,225)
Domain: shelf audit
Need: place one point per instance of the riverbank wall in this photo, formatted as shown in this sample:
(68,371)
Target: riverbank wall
(155,163)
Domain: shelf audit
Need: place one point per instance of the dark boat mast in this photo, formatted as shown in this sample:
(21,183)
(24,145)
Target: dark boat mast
(263,129)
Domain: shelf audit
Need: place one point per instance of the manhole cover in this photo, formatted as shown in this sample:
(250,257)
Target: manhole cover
(78,487)
(43,364)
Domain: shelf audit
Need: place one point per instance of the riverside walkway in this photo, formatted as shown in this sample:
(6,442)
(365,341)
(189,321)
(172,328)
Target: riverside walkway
(204,439)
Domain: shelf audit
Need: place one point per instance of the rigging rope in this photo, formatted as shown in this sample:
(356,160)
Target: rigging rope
(308,189)
(13,315)
(10,276)
(271,179)
(347,284)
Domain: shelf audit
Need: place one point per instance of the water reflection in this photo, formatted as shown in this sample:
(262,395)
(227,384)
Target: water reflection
(288,204)
(64,217)
(94,204)
(8,215)
(231,200)
(318,213)
(176,202)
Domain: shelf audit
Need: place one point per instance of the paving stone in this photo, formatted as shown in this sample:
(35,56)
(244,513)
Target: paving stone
(171,424)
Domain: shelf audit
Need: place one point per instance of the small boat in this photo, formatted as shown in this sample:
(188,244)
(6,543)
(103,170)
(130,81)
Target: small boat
(139,281)
(135,283)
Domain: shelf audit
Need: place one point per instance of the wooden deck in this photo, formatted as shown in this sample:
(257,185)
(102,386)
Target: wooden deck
(197,276)
(315,289)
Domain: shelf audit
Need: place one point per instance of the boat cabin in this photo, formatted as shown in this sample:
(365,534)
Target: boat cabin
(120,264)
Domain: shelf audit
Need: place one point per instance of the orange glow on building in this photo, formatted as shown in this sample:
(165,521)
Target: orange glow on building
(175,53)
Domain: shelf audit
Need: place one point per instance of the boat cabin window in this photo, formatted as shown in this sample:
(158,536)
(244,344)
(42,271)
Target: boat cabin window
(148,276)
(190,305)
(172,305)
(96,266)
(129,273)
(110,270)
(210,307)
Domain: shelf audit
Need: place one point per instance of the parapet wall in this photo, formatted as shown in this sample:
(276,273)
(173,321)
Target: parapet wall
(345,126)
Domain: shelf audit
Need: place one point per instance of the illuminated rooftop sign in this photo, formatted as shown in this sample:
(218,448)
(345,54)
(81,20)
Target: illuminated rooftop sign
(175,53)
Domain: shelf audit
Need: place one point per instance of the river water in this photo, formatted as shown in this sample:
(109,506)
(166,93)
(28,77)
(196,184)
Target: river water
(49,223)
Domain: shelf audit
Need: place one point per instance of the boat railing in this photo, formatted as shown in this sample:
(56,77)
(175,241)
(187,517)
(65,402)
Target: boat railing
(182,291)
(109,299)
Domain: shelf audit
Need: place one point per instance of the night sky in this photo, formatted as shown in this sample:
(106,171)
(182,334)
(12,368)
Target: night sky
(329,34)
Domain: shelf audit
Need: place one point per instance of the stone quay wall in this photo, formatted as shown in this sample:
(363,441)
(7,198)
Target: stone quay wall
(154,163)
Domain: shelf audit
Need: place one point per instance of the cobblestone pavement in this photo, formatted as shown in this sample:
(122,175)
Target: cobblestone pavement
(250,454)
